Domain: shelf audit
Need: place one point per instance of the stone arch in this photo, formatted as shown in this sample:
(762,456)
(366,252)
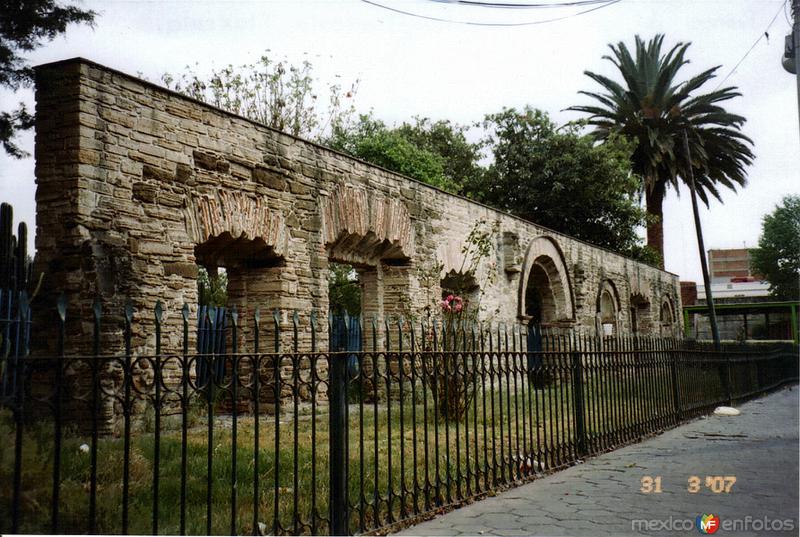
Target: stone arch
(608,308)
(545,279)
(363,227)
(641,318)
(373,233)
(667,316)
(232,218)
(455,277)
(237,231)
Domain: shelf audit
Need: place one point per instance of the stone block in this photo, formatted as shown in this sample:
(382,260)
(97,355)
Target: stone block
(210,162)
(269,178)
(157,174)
(154,248)
(170,199)
(145,192)
(183,269)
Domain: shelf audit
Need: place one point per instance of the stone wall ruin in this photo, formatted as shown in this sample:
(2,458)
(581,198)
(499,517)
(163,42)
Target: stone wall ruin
(138,185)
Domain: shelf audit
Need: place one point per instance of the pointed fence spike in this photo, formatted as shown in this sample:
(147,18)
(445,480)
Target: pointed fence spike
(159,311)
(61,306)
(128,310)
(257,314)
(97,308)
(234,316)
(185,312)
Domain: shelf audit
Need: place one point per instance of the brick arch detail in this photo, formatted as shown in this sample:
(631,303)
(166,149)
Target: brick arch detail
(610,286)
(546,249)
(372,224)
(666,301)
(238,215)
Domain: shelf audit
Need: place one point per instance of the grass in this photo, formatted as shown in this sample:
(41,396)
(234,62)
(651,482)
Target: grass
(528,431)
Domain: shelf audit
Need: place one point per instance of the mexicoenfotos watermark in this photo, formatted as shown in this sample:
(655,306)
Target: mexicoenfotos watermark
(710,523)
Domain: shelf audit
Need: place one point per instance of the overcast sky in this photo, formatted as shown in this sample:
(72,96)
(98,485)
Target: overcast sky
(411,66)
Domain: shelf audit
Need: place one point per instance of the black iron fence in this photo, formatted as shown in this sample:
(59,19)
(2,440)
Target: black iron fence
(15,278)
(399,420)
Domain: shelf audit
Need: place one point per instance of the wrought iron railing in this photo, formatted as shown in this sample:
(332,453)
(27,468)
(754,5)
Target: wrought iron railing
(15,279)
(400,420)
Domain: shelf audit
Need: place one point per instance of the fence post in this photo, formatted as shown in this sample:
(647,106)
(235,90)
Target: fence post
(676,398)
(337,445)
(577,397)
(728,380)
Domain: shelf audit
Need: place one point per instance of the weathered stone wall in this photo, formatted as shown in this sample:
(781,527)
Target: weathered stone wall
(137,185)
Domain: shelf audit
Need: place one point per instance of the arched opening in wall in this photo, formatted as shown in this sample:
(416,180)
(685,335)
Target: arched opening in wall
(242,273)
(464,286)
(607,310)
(361,290)
(545,300)
(545,293)
(237,272)
(640,315)
(667,318)
(223,257)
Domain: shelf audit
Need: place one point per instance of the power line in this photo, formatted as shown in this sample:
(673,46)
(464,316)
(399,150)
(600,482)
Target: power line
(605,3)
(507,5)
(757,41)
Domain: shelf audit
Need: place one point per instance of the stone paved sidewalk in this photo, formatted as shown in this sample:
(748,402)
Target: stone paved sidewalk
(602,496)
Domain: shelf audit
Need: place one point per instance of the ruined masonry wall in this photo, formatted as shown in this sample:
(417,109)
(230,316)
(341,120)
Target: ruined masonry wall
(132,177)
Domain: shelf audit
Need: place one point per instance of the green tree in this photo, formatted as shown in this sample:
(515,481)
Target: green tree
(212,289)
(24,26)
(448,140)
(344,292)
(777,257)
(436,153)
(561,179)
(273,92)
(654,109)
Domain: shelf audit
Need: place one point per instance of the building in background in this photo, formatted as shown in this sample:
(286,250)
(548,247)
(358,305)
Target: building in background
(732,264)
(745,310)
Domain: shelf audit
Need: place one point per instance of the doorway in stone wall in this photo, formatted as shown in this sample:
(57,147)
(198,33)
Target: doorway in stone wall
(233,273)
(541,295)
(236,273)
(344,307)
(667,319)
(640,315)
(607,310)
(545,294)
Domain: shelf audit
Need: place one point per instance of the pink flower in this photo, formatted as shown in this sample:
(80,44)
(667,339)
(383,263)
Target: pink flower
(450,297)
(458,307)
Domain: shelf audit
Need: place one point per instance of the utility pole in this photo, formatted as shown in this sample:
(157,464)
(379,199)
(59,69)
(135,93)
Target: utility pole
(712,314)
(796,38)
(792,63)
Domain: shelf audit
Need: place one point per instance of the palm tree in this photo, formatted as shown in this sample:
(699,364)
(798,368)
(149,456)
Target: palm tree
(654,110)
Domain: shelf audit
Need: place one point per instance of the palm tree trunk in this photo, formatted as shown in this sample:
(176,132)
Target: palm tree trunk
(654,200)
